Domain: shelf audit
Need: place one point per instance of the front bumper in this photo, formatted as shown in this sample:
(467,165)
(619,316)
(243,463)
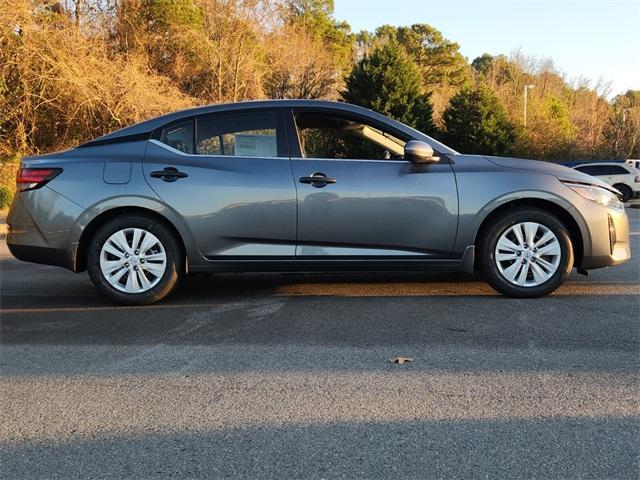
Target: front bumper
(609,238)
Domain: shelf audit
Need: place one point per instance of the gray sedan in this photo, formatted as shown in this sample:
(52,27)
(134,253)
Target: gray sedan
(303,185)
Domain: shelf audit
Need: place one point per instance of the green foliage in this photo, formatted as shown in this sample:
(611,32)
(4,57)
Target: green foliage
(6,196)
(9,164)
(475,122)
(160,15)
(550,134)
(629,99)
(438,58)
(497,69)
(558,113)
(483,63)
(389,82)
(316,17)
(311,11)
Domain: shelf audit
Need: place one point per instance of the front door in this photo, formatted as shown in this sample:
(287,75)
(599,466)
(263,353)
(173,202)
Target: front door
(229,176)
(358,198)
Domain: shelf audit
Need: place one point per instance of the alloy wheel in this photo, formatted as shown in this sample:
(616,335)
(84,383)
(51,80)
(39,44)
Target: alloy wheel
(133,260)
(528,254)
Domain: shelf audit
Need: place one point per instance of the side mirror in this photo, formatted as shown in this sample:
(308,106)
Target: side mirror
(419,152)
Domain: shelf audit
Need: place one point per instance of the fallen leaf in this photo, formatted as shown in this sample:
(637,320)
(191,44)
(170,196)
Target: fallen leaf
(400,360)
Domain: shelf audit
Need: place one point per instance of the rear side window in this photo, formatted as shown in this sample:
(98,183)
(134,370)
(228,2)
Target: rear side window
(179,136)
(617,170)
(252,134)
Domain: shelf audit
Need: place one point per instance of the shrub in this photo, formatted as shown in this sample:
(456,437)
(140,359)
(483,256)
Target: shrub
(475,122)
(6,196)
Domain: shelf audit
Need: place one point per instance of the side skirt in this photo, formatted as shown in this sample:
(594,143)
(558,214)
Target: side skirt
(463,264)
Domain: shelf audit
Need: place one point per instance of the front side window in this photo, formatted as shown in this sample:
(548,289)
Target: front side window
(179,136)
(334,137)
(238,135)
(587,170)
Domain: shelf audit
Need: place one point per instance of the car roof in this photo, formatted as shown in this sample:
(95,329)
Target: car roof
(143,130)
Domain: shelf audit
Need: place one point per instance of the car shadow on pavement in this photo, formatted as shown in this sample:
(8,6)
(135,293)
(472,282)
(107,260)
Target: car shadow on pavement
(326,333)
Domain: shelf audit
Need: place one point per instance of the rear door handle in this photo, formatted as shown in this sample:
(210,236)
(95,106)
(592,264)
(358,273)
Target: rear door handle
(168,174)
(318,180)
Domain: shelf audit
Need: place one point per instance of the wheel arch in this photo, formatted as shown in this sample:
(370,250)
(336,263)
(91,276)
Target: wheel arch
(549,206)
(80,256)
(621,187)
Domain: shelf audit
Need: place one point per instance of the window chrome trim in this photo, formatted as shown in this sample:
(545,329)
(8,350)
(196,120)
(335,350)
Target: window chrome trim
(199,155)
(308,159)
(305,159)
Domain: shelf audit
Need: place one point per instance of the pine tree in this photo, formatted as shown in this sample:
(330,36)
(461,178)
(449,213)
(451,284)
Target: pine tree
(475,122)
(389,82)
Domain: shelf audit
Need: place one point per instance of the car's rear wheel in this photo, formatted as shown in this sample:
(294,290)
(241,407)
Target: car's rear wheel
(134,260)
(625,190)
(526,253)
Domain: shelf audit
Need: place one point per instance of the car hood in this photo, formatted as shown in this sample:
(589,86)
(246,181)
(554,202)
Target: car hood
(560,172)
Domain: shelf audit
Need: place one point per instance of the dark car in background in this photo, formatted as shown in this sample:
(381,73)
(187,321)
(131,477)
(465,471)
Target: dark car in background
(304,186)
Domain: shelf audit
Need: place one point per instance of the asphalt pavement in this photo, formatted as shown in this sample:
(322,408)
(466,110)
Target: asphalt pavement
(287,376)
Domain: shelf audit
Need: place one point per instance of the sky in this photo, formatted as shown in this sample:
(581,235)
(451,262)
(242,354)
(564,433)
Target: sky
(594,39)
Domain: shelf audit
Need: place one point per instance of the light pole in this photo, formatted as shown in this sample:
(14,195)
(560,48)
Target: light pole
(526,96)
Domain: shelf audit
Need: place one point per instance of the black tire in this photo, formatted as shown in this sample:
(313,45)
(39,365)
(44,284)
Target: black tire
(625,190)
(487,247)
(168,280)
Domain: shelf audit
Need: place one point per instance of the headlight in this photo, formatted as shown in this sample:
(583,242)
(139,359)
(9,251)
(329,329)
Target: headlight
(596,194)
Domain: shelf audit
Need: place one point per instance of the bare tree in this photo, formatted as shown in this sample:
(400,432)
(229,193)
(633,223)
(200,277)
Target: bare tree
(299,66)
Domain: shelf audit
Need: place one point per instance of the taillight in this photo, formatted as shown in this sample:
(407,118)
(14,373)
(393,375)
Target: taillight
(637,179)
(33,178)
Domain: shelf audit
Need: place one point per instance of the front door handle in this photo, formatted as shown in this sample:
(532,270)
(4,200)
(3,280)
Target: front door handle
(168,174)
(318,180)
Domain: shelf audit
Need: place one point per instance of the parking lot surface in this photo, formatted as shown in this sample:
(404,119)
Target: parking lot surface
(287,376)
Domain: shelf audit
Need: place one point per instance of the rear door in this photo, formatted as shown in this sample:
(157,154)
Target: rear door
(359,199)
(229,176)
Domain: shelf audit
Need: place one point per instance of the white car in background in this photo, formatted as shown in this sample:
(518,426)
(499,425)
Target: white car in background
(634,162)
(622,176)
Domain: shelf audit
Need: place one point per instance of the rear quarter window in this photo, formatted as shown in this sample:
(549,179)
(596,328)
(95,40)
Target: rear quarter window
(618,170)
(179,136)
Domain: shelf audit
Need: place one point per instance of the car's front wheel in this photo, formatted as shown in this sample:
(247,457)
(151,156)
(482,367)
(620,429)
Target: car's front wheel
(527,253)
(134,260)
(625,190)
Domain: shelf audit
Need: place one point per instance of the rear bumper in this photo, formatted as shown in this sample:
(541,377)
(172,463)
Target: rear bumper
(46,255)
(609,239)
(39,225)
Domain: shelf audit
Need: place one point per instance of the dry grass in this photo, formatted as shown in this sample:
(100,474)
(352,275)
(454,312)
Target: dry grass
(60,87)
